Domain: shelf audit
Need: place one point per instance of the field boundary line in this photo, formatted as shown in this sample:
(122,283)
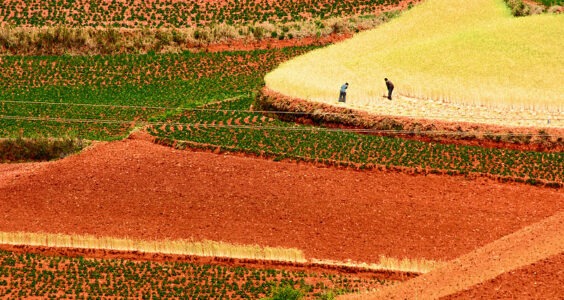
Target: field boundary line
(289,128)
(277,112)
(209,248)
(369,166)
(204,248)
(526,246)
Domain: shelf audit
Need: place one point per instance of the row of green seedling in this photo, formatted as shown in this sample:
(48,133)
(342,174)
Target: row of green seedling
(252,132)
(181,14)
(33,275)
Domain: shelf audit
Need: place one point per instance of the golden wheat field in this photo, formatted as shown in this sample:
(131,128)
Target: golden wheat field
(471,61)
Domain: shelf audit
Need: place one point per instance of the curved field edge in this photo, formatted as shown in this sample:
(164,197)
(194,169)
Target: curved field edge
(475,55)
(525,138)
(208,248)
(232,127)
(529,245)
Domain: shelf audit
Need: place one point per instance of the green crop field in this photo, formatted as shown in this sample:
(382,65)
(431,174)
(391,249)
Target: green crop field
(551,2)
(229,126)
(177,14)
(34,275)
(104,97)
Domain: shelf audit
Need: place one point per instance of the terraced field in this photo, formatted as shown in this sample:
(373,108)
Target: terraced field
(37,275)
(105,97)
(183,146)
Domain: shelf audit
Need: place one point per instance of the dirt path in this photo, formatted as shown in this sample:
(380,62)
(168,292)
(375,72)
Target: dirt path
(133,188)
(522,248)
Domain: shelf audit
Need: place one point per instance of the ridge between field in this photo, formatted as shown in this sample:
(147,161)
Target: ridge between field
(521,248)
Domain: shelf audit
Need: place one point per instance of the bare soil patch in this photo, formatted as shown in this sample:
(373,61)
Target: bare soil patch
(534,243)
(134,188)
(541,280)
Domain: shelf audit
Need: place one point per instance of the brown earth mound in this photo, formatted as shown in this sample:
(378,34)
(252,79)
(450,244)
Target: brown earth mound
(134,188)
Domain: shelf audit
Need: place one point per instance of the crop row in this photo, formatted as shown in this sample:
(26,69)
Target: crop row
(117,70)
(104,97)
(252,132)
(34,275)
(179,14)
(101,97)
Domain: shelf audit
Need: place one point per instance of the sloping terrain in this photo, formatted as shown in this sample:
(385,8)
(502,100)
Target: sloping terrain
(538,242)
(540,280)
(134,188)
(458,57)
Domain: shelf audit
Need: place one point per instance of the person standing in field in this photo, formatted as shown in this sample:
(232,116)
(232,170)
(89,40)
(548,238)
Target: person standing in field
(343,94)
(390,87)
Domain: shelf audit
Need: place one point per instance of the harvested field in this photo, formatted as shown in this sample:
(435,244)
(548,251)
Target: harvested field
(452,59)
(137,189)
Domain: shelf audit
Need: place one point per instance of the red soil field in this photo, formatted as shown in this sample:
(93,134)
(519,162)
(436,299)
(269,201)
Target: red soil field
(541,280)
(503,261)
(134,188)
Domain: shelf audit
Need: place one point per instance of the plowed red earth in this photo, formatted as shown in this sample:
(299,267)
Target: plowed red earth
(134,188)
(541,280)
(495,261)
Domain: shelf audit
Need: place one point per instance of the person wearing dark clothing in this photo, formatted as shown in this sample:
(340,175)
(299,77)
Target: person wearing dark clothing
(390,87)
(343,94)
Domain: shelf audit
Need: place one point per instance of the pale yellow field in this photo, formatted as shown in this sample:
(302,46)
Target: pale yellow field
(463,54)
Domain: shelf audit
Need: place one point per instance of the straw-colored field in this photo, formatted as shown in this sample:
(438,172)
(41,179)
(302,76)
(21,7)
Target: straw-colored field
(469,53)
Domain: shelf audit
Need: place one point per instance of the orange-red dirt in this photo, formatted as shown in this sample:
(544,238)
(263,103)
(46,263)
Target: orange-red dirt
(134,188)
(519,250)
(541,280)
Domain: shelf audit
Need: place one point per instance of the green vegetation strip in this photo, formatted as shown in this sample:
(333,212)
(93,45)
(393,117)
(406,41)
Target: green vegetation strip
(232,129)
(104,97)
(34,275)
(178,14)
